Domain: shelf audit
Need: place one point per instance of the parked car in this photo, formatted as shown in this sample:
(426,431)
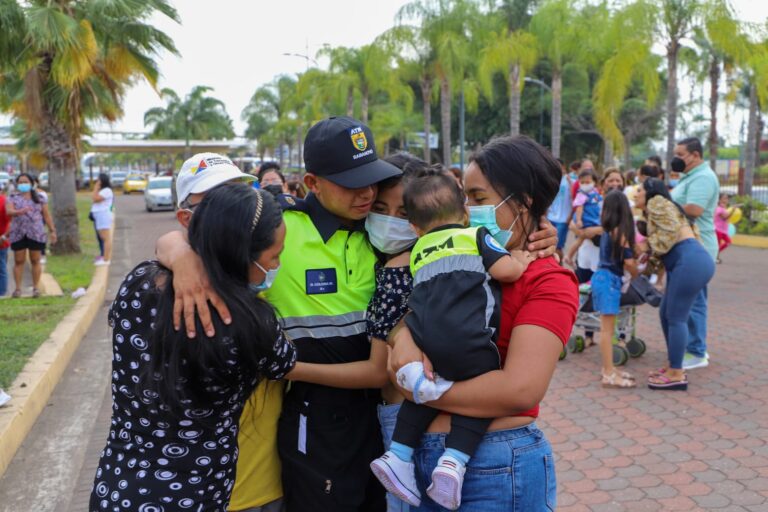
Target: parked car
(158,195)
(134,182)
(43,179)
(5,180)
(117,178)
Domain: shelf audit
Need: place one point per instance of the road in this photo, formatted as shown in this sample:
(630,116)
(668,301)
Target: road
(53,470)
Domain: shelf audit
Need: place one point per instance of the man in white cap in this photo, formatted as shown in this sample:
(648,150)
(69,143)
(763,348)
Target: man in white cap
(198,175)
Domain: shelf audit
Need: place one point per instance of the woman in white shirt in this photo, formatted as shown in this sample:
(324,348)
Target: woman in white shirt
(101,214)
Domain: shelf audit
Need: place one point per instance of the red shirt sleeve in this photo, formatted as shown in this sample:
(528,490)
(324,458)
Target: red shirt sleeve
(547,295)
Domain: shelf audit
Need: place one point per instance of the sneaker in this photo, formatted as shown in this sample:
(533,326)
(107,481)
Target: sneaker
(4,398)
(398,477)
(101,263)
(447,479)
(691,362)
(97,259)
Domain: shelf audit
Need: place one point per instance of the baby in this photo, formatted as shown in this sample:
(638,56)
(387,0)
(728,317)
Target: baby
(453,318)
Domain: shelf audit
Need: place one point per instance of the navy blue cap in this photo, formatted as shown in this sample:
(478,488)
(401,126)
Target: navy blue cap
(342,150)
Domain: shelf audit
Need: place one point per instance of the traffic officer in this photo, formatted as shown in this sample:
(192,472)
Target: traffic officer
(327,435)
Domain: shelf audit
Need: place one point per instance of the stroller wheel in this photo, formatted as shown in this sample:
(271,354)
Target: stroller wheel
(563,354)
(636,347)
(620,355)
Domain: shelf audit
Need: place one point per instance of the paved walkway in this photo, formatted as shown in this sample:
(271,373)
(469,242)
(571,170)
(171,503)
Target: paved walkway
(643,450)
(617,450)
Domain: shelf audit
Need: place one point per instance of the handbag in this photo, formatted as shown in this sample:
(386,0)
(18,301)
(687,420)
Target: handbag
(649,293)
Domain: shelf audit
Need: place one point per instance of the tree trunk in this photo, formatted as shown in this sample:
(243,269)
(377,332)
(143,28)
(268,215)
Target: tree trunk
(350,102)
(364,105)
(627,153)
(61,153)
(445,120)
(672,50)
(714,96)
(607,153)
(299,144)
(751,154)
(281,156)
(514,99)
(557,110)
(426,98)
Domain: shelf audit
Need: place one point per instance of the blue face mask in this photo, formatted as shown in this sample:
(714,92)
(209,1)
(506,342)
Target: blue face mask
(24,187)
(270,274)
(485,216)
(673,183)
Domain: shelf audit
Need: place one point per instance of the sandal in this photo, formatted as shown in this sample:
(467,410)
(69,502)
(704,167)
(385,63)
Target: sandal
(16,294)
(35,293)
(618,380)
(662,382)
(660,372)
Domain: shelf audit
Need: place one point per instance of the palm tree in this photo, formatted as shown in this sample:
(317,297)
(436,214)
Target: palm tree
(68,62)
(677,19)
(272,105)
(198,116)
(554,25)
(627,58)
(512,53)
(418,64)
(755,67)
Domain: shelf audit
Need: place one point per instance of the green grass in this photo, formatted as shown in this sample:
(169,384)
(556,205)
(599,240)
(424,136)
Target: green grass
(27,323)
(73,271)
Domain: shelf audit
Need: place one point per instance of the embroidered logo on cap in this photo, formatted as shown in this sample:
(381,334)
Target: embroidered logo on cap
(200,167)
(358,138)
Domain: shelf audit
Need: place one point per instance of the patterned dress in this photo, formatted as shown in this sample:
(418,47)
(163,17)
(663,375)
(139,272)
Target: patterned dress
(156,460)
(390,300)
(31,224)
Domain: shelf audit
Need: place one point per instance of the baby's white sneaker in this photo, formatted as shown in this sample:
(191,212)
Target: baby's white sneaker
(447,479)
(398,477)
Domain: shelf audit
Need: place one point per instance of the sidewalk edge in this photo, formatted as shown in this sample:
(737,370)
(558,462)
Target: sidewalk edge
(758,242)
(33,386)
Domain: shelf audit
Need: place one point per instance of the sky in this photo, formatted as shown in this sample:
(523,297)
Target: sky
(235,46)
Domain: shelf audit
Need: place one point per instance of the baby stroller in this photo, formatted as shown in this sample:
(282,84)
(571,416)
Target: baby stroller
(626,344)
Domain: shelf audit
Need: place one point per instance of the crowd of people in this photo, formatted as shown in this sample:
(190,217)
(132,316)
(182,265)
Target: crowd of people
(624,225)
(380,335)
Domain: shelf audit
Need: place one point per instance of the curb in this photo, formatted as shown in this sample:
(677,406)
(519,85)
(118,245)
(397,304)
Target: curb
(759,242)
(33,386)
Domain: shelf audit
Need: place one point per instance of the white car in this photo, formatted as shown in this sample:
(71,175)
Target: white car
(157,195)
(43,179)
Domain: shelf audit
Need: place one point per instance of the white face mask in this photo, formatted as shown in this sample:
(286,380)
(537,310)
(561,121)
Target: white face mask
(589,187)
(269,278)
(390,235)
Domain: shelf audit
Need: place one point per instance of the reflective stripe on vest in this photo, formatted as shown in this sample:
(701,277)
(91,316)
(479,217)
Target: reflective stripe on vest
(319,326)
(346,259)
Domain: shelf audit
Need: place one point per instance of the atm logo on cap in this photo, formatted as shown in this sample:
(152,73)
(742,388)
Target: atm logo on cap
(358,138)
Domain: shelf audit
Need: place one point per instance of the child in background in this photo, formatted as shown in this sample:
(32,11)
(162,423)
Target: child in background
(616,256)
(722,214)
(453,319)
(587,206)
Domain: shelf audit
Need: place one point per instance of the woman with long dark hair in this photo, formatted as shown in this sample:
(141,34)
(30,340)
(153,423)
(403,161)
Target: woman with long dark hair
(673,238)
(177,401)
(101,215)
(29,216)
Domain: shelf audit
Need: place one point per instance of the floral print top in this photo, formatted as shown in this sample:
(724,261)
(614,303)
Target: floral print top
(390,300)
(31,224)
(665,220)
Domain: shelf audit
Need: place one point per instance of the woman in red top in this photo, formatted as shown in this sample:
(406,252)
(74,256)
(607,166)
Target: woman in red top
(513,468)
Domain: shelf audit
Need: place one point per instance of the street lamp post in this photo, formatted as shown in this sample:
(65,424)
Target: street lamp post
(306,58)
(542,86)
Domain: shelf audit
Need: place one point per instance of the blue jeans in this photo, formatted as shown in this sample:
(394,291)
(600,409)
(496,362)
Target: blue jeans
(689,269)
(3,271)
(512,471)
(697,326)
(387,419)
(562,233)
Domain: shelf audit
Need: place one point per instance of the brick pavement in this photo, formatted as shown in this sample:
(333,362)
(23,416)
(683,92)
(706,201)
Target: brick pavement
(642,450)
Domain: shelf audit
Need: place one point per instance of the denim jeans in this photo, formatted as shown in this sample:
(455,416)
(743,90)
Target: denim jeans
(697,326)
(512,471)
(3,271)
(387,419)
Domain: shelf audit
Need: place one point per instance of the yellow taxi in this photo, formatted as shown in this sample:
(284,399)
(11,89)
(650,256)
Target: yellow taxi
(134,182)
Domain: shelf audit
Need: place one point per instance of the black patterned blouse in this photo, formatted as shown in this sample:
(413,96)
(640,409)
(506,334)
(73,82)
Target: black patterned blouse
(390,300)
(155,460)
